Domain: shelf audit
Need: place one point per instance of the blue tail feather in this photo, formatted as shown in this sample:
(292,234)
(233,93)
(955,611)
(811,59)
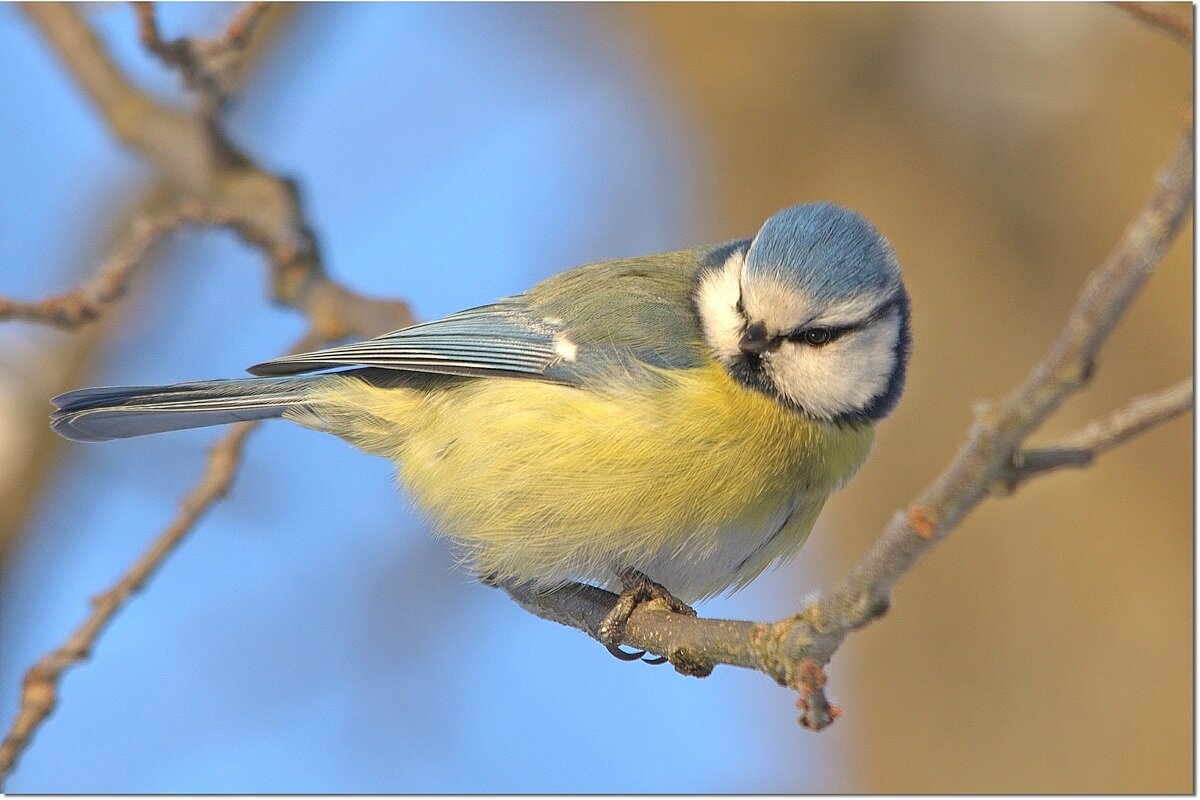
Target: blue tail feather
(99,414)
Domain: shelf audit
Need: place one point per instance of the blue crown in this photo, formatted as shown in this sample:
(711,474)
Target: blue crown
(825,251)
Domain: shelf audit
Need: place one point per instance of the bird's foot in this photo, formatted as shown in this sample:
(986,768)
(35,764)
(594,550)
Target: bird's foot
(638,589)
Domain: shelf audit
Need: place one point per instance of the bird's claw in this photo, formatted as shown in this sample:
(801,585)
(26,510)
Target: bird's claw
(624,655)
(638,589)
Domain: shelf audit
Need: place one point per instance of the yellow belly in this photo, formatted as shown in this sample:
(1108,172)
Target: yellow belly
(698,482)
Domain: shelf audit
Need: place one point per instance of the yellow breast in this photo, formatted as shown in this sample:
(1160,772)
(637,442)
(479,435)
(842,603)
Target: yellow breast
(697,481)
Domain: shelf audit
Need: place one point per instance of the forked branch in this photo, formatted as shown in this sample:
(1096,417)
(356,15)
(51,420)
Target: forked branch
(1081,448)
(209,66)
(196,159)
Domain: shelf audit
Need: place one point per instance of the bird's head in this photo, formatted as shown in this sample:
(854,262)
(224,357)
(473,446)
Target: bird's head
(812,311)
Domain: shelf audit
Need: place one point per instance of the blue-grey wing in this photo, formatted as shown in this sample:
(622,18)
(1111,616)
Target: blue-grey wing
(499,339)
(614,321)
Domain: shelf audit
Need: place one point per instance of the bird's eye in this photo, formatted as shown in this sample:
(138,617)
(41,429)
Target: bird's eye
(818,336)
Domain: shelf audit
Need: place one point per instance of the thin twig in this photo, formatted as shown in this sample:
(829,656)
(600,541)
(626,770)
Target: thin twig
(39,691)
(784,649)
(175,141)
(110,281)
(40,688)
(1081,448)
(336,311)
(245,23)
(816,712)
(1161,16)
(216,185)
(150,36)
(188,149)
(193,154)
(208,66)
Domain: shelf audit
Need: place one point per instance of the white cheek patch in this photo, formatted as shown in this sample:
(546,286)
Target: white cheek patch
(827,382)
(716,301)
(841,377)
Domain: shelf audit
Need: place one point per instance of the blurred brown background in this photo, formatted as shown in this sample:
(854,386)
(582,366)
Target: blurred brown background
(1048,645)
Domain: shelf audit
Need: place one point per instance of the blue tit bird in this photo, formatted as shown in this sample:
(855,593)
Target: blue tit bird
(672,421)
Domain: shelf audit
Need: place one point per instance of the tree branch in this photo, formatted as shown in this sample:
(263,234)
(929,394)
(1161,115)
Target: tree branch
(790,649)
(214,185)
(1081,448)
(333,309)
(209,66)
(39,690)
(1160,16)
(172,139)
(196,158)
(85,303)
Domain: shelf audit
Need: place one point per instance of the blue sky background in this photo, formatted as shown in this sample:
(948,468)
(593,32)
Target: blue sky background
(310,635)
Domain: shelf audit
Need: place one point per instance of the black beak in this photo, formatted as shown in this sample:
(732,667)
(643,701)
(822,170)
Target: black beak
(755,342)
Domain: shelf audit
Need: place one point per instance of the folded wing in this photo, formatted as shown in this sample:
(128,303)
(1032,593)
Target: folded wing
(499,339)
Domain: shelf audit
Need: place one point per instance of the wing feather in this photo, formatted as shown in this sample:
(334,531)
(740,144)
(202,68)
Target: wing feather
(500,339)
(606,322)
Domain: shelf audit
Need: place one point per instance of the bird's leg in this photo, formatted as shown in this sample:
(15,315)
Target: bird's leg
(638,589)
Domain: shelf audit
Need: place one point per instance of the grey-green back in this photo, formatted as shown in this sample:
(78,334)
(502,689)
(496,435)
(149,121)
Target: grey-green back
(614,317)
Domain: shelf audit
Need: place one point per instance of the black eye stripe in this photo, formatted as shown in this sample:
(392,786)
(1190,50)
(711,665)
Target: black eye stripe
(802,335)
